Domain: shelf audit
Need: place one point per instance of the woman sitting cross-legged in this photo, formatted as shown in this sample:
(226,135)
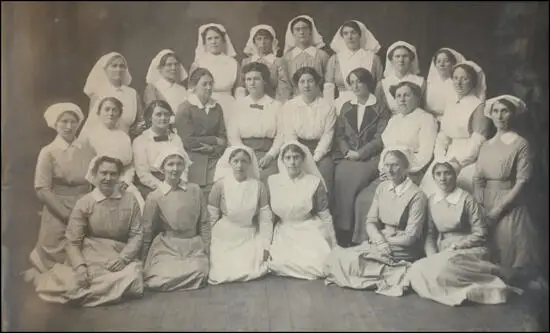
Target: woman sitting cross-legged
(176,229)
(304,235)
(241,219)
(394,225)
(104,235)
(456,268)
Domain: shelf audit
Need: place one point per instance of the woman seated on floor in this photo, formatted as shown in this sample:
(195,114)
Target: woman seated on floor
(304,234)
(176,221)
(457,266)
(241,219)
(394,225)
(104,235)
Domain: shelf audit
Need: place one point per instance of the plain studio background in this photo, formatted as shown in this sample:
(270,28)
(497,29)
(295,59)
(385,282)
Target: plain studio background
(49,48)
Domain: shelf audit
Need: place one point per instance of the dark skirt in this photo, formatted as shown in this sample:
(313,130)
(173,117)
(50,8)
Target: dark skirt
(261,146)
(325,166)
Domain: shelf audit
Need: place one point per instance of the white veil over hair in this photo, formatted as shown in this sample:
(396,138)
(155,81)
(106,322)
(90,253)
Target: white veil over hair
(200,50)
(316,38)
(308,166)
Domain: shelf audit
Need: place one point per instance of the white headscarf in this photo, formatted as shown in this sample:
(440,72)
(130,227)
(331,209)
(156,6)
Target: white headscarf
(55,111)
(368,42)
(97,79)
(481,87)
(91,175)
(224,169)
(250,49)
(154,75)
(171,150)
(308,166)
(520,105)
(405,150)
(200,50)
(290,43)
(389,70)
(451,160)
(433,73)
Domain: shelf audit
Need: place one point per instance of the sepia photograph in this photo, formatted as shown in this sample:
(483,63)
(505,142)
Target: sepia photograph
(275,166)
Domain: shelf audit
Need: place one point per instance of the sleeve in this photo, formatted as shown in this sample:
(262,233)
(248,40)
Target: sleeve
(524,163)
(76,231)
(381,96)
(324,60)
(284,87)
(233,132)
(222,134)
(43,185)
(214,203)
(340,134)
(205,228)
(479,181)
(325,143)
(375,145)
(321,208)
(442,142)
(139,111)
(430,246)
(289,128)
(265,217)
(149,94)
(128,173)
(480,130)
(149,221)
(184,126)
(415,222)
(279,136)
(377,69)
(240,89)
(135,234)
(426,142)
(185,174)
(329,86)
(422,100)
(142,167)
(478,231)
(373,224)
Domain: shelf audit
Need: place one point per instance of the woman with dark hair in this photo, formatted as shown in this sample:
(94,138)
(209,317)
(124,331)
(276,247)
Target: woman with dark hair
(457,266)
(200,125)
(310,119)
(401,65)
(304,234)
(358,143)
(355,47)
(395,224)
(146,147)
(464,127)
(262,46)
(439,83)
(104,236)
(303,45)
(215,53)
(165,80)
(241,219)
(258,124)
(110,77)
(176,231)
(503,168)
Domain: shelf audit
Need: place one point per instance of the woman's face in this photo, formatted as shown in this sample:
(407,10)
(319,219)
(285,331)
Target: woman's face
(401,60)
(66,125)
(443,65)
(109,114)
(204,87)
(240,164)
(214,42)
(173,167)
(293,162)
(445,178)
(359,88)
(263,43)
(395,169)
(301,33)
(160,119)
(501,116)
(307,86)
(170,70)
(115,70)
(406,100)
(254,84)
(462,82)
(107,177)
(351,37)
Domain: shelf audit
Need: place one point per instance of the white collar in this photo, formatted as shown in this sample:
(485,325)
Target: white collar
(311,50)
(194,100)
(401,188)
(270,58)
(370,101)
(162,84)
(60,143)
(451,198)
(165,188)
(266,99)
(509,137)
(99,196)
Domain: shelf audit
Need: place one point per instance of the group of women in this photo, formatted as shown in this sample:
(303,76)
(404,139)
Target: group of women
(305,166)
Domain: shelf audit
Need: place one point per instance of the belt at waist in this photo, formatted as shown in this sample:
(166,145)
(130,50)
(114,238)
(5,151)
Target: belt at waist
(179,234)
(499,184)
(258,144)
(69,190)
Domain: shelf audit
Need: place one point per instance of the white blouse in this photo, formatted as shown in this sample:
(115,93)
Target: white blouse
(258,119)
(416,131)
(174,93)
(314,121)
(350,60)
(146,151)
